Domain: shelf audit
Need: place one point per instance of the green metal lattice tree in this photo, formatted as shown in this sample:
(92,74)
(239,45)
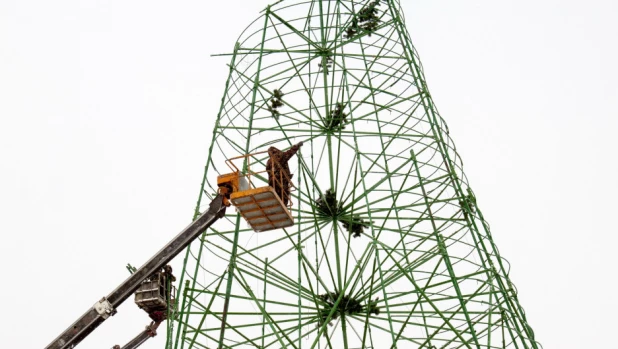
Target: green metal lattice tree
(389,249)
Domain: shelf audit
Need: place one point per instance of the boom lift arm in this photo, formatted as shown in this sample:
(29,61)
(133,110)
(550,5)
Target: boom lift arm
(107,306)
(263,208)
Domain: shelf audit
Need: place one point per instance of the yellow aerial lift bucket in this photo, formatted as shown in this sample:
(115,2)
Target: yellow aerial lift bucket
(261,207)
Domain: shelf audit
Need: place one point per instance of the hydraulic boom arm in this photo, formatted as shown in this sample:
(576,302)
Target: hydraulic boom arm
(107,306)
(142,337)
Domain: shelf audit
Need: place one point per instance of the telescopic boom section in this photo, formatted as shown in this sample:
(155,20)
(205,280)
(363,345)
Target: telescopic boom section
(107,306)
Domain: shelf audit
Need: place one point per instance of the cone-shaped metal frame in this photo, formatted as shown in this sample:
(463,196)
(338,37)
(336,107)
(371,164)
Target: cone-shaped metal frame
(389,249)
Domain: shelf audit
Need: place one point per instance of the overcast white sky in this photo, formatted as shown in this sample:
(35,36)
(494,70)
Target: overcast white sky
(106,112)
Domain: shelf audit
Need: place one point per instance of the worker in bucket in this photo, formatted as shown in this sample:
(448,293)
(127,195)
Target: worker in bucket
(279,175)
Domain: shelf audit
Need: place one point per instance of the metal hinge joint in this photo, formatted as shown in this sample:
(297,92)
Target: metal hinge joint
(104,308)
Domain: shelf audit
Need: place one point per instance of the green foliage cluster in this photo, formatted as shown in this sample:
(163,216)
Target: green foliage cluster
(326,64)
(348,306)
(468,200)
(275,103)
(327,204)
(352,30)
(367,20)
(337,118)
(354,225)
(372,307)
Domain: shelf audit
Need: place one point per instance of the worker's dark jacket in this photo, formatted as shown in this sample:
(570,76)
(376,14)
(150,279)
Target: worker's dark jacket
(279,175)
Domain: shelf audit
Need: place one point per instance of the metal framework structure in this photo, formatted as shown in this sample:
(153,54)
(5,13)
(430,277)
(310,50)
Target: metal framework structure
(389,248)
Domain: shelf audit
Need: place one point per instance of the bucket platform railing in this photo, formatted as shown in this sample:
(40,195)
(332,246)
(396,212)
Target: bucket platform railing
(264,207)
